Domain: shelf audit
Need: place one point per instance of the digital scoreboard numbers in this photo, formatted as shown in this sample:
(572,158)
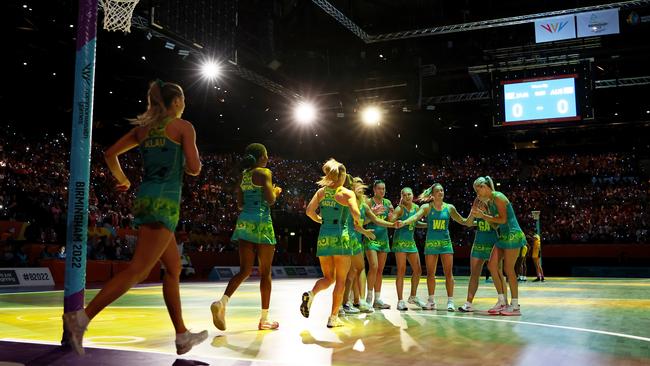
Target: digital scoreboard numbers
(540,100)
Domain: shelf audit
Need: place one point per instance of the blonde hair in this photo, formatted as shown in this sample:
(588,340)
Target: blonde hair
(484,181)
(357,183)
(427,195)
(159,98)
(332,170)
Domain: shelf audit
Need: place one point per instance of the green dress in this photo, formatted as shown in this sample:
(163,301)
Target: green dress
(159,195)
(381,243)
(254,223)
(510,234)
(356,238)
(333,237)
(484,240)
(438,240)
(403,240)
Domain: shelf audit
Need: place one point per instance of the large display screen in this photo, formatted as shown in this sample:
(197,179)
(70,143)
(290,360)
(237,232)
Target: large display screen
(548,99)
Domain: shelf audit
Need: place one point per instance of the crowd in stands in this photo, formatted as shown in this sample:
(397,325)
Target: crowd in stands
(584,198)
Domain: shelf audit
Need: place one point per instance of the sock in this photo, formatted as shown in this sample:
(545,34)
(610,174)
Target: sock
(265,315)
(224,300)
(468,303)
(450,299)
(502,299)
(377,296)
(432,299)
(180,337)
(369,297)
(83,319)
(514,302)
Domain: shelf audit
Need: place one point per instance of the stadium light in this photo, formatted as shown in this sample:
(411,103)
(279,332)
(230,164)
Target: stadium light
(305,112)
(210,70)
(371,115)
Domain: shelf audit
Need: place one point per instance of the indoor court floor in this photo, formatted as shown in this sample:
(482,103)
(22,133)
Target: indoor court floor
(565,321)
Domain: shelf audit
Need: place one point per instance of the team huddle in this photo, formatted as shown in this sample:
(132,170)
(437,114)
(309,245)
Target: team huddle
(342,209)
(351,225)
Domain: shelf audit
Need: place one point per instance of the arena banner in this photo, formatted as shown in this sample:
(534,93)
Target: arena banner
(555,29)
(597,23)
(220,273)
(278,272)
(26,277)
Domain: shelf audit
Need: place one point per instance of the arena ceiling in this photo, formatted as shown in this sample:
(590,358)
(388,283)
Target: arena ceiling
(297,45)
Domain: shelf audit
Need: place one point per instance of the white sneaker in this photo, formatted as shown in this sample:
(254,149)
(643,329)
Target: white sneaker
(187,340)
(349,309)
(379,304)
(466,308)
(416,301)
(218,310)
(267,325)
(430,305)
(73,322)
(364,307)
(341,311)
(450,306)
(497,308)
(401,305)
(334,322)
(512,311)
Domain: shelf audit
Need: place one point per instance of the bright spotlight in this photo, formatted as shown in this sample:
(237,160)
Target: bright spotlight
(305,112)
(210,70)
(371,115)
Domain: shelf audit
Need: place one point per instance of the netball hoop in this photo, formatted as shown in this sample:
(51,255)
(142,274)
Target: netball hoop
(118,14)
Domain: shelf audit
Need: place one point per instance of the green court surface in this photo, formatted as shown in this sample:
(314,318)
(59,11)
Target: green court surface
(572,321)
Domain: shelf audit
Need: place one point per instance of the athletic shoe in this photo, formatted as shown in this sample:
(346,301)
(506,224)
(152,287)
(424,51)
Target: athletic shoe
(512,311)
(307,298)
(187,340)
(497,309)
(267,325)
(542,279)
(416,301)
(401,305)
(379,304)
(349,309)
(341,311)
(450,306)
(537,279)
(430,305)
(71,322)
(334,321)
(488,280)
(218,310)
(364,307)
(523,278)
(466,308)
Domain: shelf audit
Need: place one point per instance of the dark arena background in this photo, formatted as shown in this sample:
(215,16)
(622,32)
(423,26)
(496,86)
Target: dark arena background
(549,98)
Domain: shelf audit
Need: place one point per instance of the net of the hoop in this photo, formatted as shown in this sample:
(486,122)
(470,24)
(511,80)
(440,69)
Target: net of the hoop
(118,14)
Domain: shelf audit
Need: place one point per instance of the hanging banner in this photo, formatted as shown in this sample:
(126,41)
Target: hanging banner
(555,29)
(597,23)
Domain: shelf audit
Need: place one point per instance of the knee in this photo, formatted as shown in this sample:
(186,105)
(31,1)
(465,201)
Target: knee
(417,271)
(265,274)
(140,275)
(173,273)
(372,267)
(401,271)
(245,272)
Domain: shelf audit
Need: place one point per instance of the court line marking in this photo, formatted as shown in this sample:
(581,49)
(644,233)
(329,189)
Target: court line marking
(487,319)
